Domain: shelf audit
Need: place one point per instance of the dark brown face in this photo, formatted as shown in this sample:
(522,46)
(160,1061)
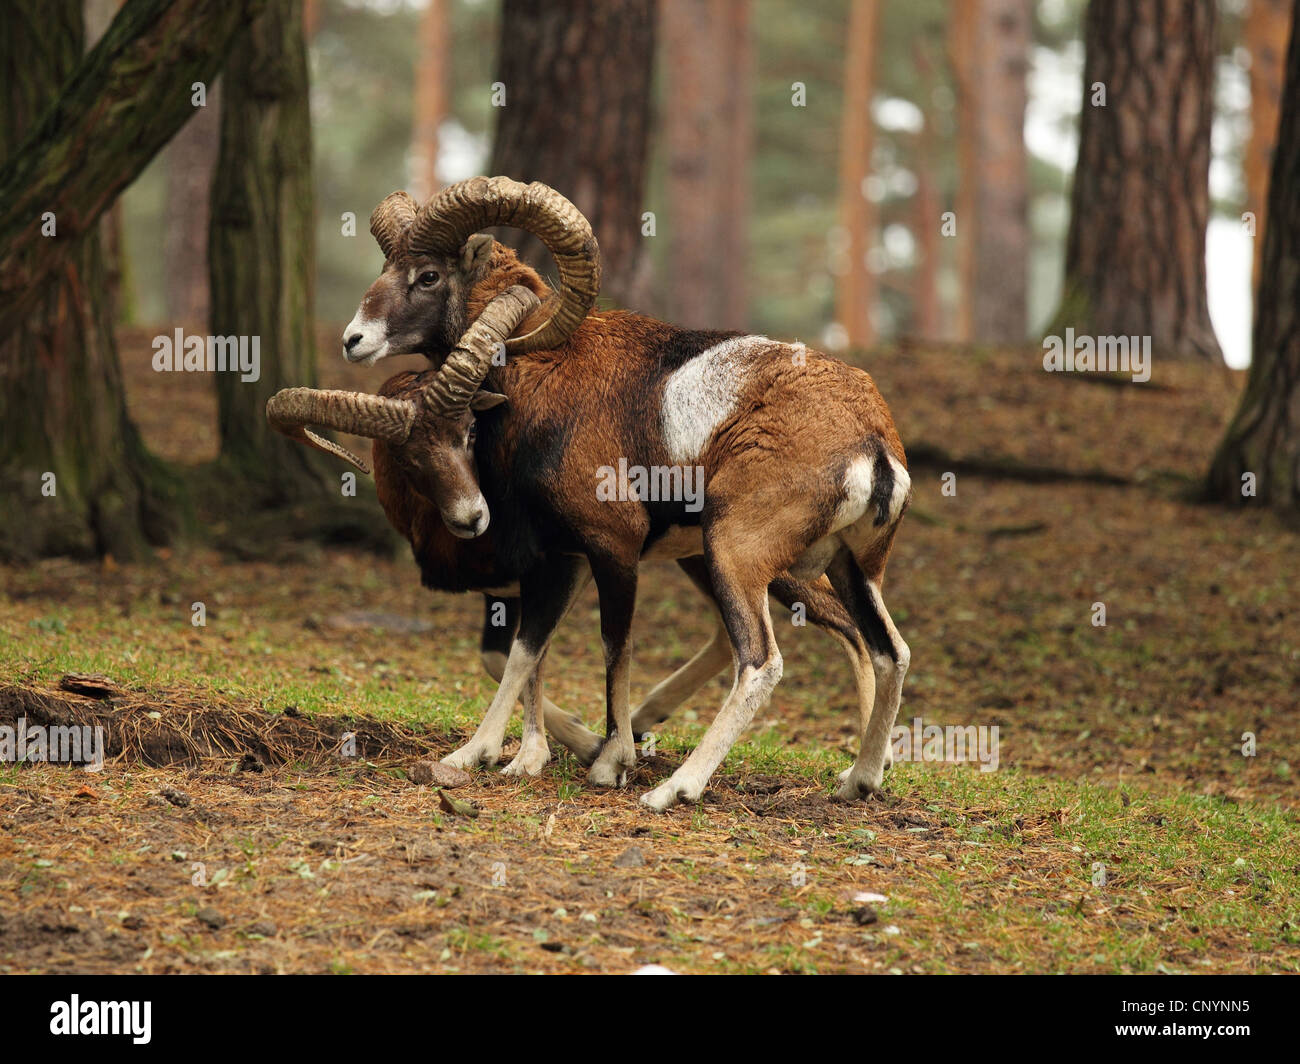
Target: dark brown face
(439,459)
(417,305)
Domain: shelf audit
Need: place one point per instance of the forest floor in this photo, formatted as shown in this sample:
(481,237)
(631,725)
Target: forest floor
(1123,830)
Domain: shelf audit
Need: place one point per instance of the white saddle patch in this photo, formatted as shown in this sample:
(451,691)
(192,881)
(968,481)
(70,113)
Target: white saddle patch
(701,394)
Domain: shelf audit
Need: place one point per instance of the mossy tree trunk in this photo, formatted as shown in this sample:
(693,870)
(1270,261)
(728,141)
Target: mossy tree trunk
(74,474)
(1262,444)
(261,256)
(1135,255)
(91,126)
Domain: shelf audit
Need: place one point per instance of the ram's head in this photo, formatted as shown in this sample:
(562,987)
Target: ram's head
(438,269)
(439,294)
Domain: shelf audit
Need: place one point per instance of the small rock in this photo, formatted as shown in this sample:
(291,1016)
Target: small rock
(133,922)
(630,858)
(93,685)
(865,916)
(208,915)
(174,796)
(262,927)
(654,969)
(438,775)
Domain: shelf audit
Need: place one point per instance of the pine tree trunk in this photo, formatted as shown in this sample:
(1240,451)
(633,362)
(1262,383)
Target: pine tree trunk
(1135,256)
(962,38)
(191,161)
(115,111)
(855,290)
(576,116)
(261,254)
(1002,175)
(1267,23)
(708,138)
(1264,437)
(431,103)
(73,471)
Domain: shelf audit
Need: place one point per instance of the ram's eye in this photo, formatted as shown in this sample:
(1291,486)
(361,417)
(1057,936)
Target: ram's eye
(471,436)
(429,278)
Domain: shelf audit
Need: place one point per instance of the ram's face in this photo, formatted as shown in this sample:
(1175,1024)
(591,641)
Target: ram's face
(417,305)
(438,457)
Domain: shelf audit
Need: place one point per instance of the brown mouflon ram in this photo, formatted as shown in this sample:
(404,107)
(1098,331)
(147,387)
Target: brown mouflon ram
(758,465)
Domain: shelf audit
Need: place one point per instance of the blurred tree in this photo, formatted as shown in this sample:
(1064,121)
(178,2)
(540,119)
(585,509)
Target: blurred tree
(1260,454)
(990,56)
(708,142)
(431,101)
(926,320)
(76,131)
(1265,36)
(576,115)
(963,32)
(261,256)
(1135,257)
(855,288)
(191,159)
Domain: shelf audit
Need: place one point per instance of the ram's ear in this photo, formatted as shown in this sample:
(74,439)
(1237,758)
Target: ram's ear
(486,400)
(474,256)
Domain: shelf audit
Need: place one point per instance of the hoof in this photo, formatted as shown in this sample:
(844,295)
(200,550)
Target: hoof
(670,792)
(530,760)
(471,756)
(860,785)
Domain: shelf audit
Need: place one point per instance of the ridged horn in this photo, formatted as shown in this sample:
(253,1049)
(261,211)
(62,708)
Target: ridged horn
(376,417)
(390,221)
(460,376)
(444,222)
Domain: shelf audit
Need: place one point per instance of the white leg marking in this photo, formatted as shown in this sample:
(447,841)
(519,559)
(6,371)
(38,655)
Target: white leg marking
(752,689)
(533,751)
(867,775)
(485,746)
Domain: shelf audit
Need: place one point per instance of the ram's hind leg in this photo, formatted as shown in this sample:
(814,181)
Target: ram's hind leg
(890,657)
(742,598)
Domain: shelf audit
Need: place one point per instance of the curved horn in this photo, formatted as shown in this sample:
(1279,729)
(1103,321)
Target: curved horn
(454,385)
(291,410)
(444,222)
(390,221)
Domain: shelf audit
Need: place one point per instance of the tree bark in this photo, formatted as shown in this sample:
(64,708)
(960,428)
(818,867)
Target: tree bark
(1002,178)
(1135,255)
(262,254)
(1264,437)
(72,467)
(117,109)
(926,317)
(855,289)
(962,38)
(708,138)
(1265,32)
(577,116)
(191,160)
(431,104)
